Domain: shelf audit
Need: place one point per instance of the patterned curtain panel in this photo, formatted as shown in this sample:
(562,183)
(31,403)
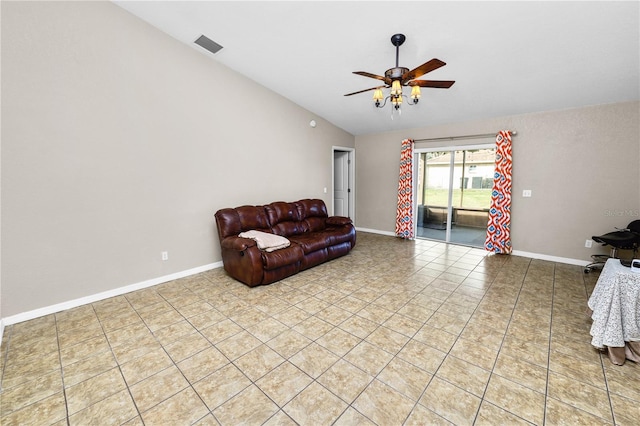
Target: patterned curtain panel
(404,214)
(499,227)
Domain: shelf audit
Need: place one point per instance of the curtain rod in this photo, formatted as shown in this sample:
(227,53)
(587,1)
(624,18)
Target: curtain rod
(453,138)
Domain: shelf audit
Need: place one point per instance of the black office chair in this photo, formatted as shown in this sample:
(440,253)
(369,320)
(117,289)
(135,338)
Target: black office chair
(622,239)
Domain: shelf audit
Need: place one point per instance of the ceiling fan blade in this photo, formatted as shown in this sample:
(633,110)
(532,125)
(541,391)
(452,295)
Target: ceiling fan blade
(368,74)
(438,84)
(429,66)
(365,90)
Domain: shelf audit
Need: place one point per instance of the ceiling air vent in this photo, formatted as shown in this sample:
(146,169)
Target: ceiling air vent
(208,44)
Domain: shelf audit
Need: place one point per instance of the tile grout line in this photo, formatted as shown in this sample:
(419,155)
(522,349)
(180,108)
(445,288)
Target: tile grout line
(5,354)
(546,387)
(491,372)
(422,394)
(175,364)
(436,371)
(64,390)
(118,365)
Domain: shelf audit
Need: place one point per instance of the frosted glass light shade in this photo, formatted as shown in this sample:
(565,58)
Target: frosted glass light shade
(396,88)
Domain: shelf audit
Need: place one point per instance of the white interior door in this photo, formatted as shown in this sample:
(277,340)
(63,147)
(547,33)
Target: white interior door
(341,187)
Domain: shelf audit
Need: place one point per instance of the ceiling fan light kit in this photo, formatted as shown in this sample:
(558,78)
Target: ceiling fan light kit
(398,77)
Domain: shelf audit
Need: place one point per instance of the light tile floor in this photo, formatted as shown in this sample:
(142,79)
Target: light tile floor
(397,332)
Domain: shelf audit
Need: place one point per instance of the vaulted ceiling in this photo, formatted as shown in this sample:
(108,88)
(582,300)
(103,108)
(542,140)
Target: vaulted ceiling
(506,57)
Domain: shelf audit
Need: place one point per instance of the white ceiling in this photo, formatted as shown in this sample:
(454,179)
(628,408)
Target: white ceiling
(506,57)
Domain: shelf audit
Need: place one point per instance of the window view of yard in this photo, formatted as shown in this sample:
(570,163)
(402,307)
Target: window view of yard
(469,174)
(468,199)
(472,178)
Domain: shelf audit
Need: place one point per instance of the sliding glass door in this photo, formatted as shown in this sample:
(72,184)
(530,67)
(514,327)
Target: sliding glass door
(453,193)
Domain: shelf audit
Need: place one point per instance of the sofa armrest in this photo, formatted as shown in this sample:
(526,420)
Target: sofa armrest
(242,259)
(338,221)
(237,243)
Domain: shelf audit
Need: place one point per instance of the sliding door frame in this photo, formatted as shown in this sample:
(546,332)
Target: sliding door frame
(416,161)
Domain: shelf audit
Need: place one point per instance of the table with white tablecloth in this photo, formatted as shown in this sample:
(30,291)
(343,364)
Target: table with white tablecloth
(615,303)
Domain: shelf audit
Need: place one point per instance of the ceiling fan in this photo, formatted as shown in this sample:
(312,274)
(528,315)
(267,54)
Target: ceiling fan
(398,76)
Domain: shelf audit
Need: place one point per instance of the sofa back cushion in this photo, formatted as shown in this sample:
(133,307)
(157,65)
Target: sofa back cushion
(281,218)
(285,219)
(231,222)
(314,213)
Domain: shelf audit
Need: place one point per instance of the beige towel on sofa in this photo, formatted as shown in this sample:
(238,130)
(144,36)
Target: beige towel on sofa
(266,241)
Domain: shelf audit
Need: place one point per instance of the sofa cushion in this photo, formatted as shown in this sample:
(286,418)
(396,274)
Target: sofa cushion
(312,241)
(313,212)
(288,229)
(338,235)
(315,224)
(279,258)
(312,208)
(231,222)
(228,223)
(281,212)
(338,220)
(253,218)
(285,219)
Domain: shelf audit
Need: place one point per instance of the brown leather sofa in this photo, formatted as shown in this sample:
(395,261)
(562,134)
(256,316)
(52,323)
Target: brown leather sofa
(315,238)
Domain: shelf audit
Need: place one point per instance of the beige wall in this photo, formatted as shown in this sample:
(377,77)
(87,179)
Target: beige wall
(582,166)
(119,142)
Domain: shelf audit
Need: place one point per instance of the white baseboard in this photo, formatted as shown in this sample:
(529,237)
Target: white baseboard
(375,231)
(537,256)
(25,316)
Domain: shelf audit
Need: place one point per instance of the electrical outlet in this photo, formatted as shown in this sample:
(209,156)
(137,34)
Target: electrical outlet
(165,255)
(588,243)
(526,193)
